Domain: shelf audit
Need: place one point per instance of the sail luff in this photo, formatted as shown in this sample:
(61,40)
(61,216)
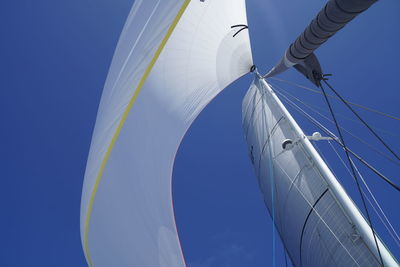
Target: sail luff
(169,64)
(337,189)
(316,219)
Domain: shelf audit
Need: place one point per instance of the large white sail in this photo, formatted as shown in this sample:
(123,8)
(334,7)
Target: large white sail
(316,220)
(173,58)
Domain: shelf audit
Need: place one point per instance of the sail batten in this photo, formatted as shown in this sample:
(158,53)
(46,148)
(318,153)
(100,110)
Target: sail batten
(319,224)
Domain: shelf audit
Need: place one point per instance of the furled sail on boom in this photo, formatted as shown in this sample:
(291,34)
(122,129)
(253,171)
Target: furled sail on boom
(173,58)
(317,221)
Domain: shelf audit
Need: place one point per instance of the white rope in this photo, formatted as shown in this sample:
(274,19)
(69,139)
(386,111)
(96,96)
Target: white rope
(391,231)
(396,237)
(386,156)
(351,103)
(317,213)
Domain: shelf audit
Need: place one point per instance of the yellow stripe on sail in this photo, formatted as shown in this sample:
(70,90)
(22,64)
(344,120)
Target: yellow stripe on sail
(122,122)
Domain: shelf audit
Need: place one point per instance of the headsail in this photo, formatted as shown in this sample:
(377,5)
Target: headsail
(173,58)
(317,221)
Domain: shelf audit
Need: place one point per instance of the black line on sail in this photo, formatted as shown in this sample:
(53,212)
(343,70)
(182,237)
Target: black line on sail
(270,134)
(239,25)
(305,222)
(352,170)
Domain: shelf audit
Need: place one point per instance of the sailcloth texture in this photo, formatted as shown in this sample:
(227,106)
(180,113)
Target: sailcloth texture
(172,59)
(315,218)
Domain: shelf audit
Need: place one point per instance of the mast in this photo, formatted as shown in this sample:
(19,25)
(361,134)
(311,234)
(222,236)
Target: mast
(284,158)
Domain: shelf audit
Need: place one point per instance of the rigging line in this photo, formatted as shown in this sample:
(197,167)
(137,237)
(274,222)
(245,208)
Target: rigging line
(323,243)
(387,224)
(339,115)
(284,253)
(383,221)
(352,170)
(395,237)
(361,119)
(317,213)
(347,131)
(334,137)
(272,131)
(332,170)
(306,220)
(272,178)
(252,112)
(273,216)
(273,188)
(332,96)
(370,192)
(328,132)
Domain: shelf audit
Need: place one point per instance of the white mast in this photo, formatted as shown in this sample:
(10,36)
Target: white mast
(317,221)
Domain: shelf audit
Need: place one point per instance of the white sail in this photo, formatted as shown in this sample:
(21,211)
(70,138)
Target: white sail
(316,220)
(173,58)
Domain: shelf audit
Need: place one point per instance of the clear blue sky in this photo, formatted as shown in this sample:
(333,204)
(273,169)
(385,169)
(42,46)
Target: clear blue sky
(55,57)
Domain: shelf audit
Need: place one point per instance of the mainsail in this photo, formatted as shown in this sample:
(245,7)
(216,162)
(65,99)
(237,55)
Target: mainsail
(317,221)
(173,58)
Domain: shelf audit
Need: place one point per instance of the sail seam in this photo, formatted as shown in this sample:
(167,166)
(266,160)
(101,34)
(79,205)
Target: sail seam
(305,222)
(135,44)
(123,120)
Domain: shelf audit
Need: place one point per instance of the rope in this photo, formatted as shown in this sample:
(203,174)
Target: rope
(270,168)
(284,253)
(272,177)
(353,171)
(317,213)
(274,200)
(334,137)
(361,119)
(394,235)
(332,96)
(315,107)
(347,131)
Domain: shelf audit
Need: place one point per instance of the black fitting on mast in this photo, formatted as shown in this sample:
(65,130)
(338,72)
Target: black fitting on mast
(253,69)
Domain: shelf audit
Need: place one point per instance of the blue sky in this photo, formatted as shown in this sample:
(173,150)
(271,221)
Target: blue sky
(55,57)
